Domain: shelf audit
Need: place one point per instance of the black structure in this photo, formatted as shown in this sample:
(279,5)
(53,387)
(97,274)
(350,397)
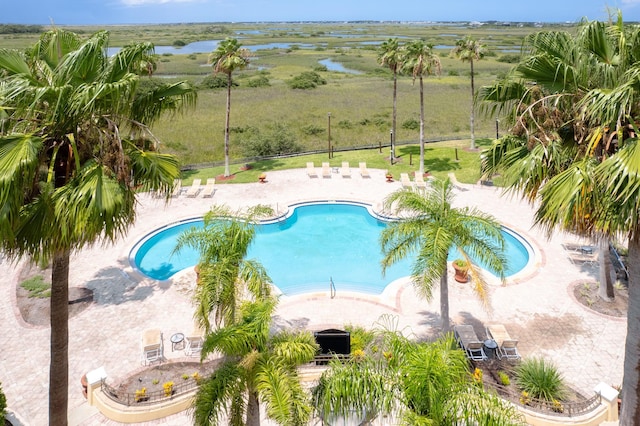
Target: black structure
(333,343)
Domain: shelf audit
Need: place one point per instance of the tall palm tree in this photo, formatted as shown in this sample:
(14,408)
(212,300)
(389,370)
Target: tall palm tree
(258,367)
(415,383)
(430,227)
(71,156)
(585,85)
(228,57)
(225,276)
(390,56)
(420,60)
(469,49)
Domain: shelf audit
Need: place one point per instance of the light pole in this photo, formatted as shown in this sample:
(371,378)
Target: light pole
(393,154)
(329,132)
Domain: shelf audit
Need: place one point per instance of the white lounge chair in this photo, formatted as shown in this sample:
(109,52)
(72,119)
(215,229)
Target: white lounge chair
(194,188)
(177,187)
(326,170)
(581,253)
(311,170)
(507,347)
(209,188)
(419,180)
(152,347)
(364,172)
(466,337)
(345,170)
(404,179)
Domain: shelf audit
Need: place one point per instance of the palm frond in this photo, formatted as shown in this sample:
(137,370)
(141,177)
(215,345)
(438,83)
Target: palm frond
(214,393)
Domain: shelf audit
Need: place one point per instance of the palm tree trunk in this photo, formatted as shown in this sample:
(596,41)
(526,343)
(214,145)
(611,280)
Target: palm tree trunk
(226,128)
(473,115)
(444,301)
(605,291)
(253,410)
(630,412)
(421,169)
(392,156)
(59,366)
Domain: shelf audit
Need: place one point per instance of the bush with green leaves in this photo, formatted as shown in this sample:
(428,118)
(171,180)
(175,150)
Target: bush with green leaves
(179,43)
(3,405)
(259,81)
(277,140)
(411,124)
(540,379)
(312,130)
(306,80)
(215,81)
(510,58)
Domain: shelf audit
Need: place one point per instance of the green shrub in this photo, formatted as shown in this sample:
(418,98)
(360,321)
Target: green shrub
(192,56)
(260,81)
(504,378)
(320,68)
(3,405)
(345,124)
(179,43)
(511,58)
(277,140)
(411,124)
(215,81)
(306,80)
(540,379)
(37,287)
(360,337)
(312,130)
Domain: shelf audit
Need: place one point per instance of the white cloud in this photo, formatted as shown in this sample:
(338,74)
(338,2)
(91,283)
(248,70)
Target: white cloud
(150,2)
(630,2)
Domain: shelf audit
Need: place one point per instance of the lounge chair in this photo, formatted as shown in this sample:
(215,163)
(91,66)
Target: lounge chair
(507,347)
(345,170)
(364,172)
(404,179)
(466,337)
(194,188)
(152,347)
(209,188)
(311,170)
(419,180)
(581,253)
(326,170)
(177,187)
(194,342)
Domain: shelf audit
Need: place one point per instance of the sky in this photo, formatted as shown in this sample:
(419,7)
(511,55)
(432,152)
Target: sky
(106,12)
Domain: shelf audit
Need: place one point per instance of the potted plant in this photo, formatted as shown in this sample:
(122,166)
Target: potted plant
(389,176)
(461,268)
(262,177)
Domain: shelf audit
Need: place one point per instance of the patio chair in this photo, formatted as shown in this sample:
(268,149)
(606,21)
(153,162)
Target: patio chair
(194,342)
(507,346)
(209,188)
(194,188)
(152,347)
(404,179)
(326,170)
(419,180)
(345,170)
(364,172)
(581,253)
(311,170)
(466,337)
(177,187)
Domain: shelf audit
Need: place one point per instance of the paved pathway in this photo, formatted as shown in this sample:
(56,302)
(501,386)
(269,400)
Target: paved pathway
(536,306)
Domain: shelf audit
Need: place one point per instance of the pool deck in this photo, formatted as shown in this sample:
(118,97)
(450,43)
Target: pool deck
(537,306)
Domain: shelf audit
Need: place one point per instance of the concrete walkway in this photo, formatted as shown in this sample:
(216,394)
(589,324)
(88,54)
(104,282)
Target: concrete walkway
(537,306)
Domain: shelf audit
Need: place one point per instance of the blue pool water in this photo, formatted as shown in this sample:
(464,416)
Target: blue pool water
(315,244)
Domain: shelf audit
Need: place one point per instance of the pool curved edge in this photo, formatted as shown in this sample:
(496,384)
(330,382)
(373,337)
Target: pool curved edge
(535,259)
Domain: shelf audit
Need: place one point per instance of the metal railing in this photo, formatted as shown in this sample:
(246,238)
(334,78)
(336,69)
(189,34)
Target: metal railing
(557,408)
(133,398)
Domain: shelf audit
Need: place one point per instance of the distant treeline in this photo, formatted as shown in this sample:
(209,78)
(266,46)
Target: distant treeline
(19,29)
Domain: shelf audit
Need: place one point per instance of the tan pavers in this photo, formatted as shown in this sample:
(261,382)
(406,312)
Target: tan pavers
(536,306)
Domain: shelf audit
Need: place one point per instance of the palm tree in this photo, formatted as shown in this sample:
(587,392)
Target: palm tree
(584,85)
(225,277)
(420,60)
(469,49)
(258,367)
(430,227)
(390,56)
(228,57)
(68,173)
(417,383)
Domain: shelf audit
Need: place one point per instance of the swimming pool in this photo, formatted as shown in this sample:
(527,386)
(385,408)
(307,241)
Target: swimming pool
(314,245)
